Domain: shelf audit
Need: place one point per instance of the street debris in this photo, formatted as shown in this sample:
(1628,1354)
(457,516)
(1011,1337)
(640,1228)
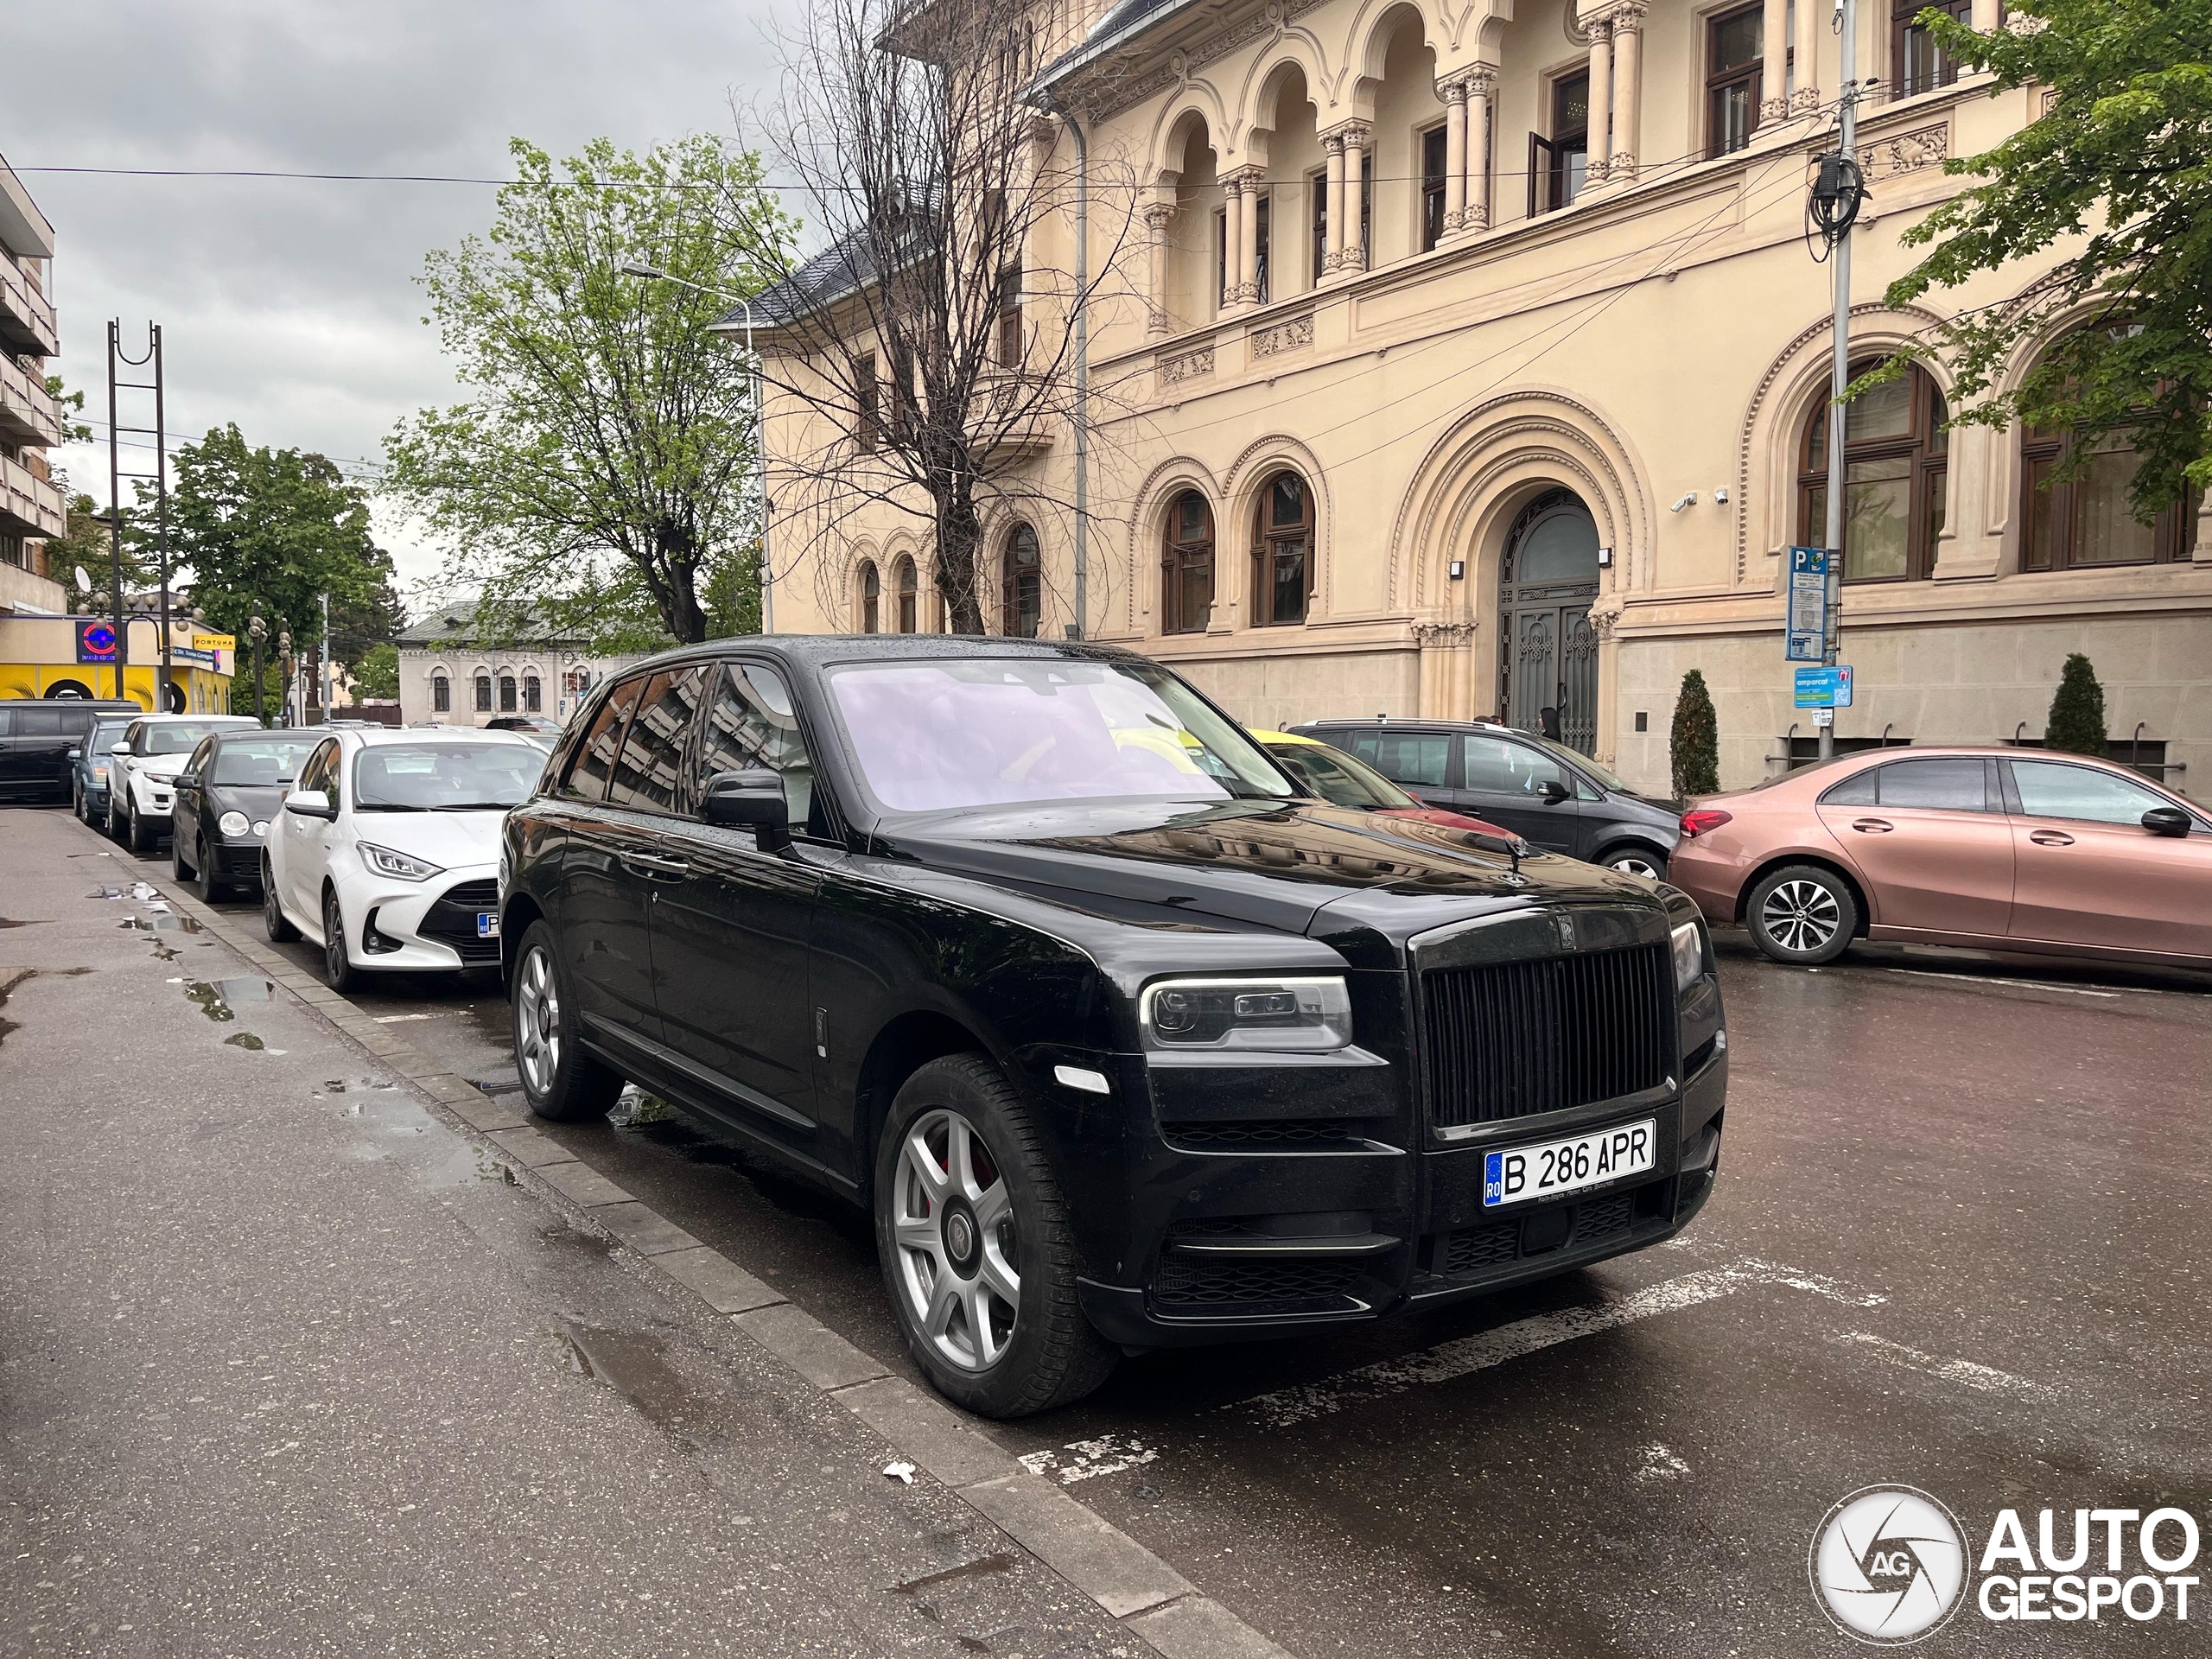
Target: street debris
(901,1472)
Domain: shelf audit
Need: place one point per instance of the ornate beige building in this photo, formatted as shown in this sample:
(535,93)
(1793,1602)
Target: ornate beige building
(1470,359)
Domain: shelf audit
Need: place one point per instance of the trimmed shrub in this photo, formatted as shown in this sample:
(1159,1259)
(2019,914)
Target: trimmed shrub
(1694,744)
(2077,713)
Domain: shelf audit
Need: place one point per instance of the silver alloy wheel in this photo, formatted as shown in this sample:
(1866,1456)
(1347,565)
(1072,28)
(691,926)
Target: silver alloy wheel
(1800,916)
(953,1218)
(1636,864)
(537,1022)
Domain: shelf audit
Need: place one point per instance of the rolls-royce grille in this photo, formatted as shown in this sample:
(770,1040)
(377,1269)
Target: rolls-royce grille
(1511,1039)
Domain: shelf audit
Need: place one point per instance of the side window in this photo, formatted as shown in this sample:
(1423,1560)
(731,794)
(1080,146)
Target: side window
(135,737)
(7,722)
(594,761)
(1854,791)
(754,726)
(649,771)
(321,772)
(1504,767)
(38,722)
(1409,757)
(1953,786)
(2051,789)
(200,758)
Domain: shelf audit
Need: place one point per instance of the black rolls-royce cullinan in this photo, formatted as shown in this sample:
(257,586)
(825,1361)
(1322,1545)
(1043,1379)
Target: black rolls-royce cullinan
(1124,1039)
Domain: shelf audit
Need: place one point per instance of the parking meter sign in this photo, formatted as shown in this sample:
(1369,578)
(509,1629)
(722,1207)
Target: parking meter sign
(1806,628)
(1823,687)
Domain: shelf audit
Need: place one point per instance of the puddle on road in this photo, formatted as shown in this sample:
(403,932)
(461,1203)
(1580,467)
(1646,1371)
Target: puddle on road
(636,1110)
(246,1040)
(1001,1562)
(219,999)
(631,1363)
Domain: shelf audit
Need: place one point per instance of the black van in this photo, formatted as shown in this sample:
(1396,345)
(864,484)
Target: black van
(36,737)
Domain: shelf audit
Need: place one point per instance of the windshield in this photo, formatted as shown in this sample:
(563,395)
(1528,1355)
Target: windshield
(994,731)
(107,735)
(1339,779)
(444,777)
(264,760)
(176,736)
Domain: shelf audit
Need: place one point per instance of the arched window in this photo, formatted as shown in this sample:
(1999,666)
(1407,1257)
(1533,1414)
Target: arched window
(1187,562)
(483,694)
(2086,520)
(1021,584)
(440,695)
(1282,550)
(533,696)
(871,598)
(910,596)
(1896,454)
(506,694)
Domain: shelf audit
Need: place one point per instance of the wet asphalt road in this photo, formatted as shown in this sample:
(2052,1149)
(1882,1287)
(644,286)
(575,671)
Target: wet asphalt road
(1959,1244)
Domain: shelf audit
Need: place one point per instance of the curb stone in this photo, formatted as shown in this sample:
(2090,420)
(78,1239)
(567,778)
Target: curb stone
(1136,1589)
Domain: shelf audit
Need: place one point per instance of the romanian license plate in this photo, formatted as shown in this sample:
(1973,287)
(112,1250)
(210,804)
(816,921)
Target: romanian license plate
(487,924)
(1520,1173)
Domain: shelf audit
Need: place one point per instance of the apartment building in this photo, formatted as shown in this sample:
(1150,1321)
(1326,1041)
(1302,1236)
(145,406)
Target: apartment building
(1472,360)
(30,504)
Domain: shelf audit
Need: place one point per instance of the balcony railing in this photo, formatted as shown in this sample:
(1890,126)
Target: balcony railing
(27,412)
(29,504)
(27,321)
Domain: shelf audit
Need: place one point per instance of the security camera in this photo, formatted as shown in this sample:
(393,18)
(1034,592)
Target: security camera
(1689,500)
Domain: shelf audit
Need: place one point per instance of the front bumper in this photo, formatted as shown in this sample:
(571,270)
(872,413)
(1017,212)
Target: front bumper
(420,926)
(237,861)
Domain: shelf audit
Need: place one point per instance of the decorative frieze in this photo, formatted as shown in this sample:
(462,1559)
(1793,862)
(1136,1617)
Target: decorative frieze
(1906,153)
(1291,335)
(1185,365)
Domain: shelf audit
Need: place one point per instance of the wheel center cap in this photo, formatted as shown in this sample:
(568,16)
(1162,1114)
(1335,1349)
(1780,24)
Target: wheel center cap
(962,1238)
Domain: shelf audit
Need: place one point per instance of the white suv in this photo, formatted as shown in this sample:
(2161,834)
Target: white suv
(143,769)
(387,851)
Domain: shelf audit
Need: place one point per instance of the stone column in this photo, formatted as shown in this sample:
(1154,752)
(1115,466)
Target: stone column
(1480,84)
(1454,94)
(1232,237)
(1247,238)
(1806,99)
(1357,136)
(1156,219)
(1601,99)
(1774,71)
(1987,16)
(1333,244)
(1628,90)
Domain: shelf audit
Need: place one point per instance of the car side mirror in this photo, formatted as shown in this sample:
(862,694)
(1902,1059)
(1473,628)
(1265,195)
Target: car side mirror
(1556,792)
(311,804)
(2167,821)
(187,779)
(76,754)
(120,748)
(753,800)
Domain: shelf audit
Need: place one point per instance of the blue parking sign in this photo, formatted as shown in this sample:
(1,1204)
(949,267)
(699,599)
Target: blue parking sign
(1806,623)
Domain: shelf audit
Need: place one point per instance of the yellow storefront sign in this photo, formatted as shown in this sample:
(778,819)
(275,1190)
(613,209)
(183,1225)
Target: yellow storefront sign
(214,642)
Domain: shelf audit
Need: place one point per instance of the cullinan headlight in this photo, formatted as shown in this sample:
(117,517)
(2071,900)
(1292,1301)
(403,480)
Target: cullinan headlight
(234,824)
(1689,955)
(400,866)
(1283,1015)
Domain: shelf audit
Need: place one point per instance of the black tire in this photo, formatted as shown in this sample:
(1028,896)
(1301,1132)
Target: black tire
(179,869)
(338,969)
(1635,858)
(274,921)
(1050,1355)
(1802,915)
(141,840)
(117,831)
(560,1081)
(210,889)
(77,801)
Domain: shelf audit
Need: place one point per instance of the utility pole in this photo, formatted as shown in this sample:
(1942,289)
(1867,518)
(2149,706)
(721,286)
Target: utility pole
(161,518)
(257,631)
(1837,196)
(115,513)
(324,657)
(118,359)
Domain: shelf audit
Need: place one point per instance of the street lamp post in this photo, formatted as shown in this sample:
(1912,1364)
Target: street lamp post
(655,274)
(256,631)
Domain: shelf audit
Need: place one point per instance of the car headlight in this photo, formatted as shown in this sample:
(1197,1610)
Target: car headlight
(400,866)
(1295,1015)
(234,824)
(1689,955)
(99,774)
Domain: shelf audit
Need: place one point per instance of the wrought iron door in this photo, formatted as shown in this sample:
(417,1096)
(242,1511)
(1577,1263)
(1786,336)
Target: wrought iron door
(1548,681)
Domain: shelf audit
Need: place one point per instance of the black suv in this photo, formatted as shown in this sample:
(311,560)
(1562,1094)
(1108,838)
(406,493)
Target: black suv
(1559,799)
(1124,1038)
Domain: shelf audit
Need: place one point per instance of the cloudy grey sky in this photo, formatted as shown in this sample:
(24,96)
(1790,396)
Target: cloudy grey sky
(289,307)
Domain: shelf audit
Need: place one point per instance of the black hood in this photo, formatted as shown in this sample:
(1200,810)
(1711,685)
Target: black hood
(256,800)
(1276,864)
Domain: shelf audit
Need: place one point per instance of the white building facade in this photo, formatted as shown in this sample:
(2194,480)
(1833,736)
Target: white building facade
(449,677)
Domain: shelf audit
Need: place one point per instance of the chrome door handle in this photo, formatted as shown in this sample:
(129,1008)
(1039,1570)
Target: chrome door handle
(1872,826)
(2050,838)
(644,864)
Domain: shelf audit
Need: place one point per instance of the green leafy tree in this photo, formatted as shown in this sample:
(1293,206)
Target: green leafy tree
(376,672)
(358,624)
(87,547)
(1694,744)
(607,456)
(2122,158)
(731,591)
(2077,713)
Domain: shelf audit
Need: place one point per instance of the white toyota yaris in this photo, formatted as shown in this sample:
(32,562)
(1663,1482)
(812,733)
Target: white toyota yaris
(387,851)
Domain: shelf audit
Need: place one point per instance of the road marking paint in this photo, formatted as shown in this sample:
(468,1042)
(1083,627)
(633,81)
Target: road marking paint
(1660,1464)
(396,1019)
(1109,1454)
(1985,1378)
(1991,979)
(1446,1361)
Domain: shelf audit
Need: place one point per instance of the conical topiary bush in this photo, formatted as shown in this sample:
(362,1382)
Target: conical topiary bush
(1694,745)
(2077,713)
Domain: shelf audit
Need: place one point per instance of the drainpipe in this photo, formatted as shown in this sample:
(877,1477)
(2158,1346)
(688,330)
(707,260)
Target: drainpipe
(1046,101)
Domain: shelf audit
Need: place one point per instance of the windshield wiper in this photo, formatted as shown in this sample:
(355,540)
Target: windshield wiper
(387,806)
(473,806)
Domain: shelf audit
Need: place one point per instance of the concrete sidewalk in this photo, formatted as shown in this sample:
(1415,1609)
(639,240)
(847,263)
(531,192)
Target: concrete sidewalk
(289,1365)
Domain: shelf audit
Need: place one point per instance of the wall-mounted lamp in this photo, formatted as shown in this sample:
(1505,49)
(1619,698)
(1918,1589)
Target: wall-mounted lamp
(1689,500)
(1605,558)
(1459,568)
(1720,495)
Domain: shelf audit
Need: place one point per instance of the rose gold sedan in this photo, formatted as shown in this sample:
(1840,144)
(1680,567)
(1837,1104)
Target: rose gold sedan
(2003,849)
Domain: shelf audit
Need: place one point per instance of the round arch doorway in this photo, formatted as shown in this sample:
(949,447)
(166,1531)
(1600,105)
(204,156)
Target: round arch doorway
(1548,674)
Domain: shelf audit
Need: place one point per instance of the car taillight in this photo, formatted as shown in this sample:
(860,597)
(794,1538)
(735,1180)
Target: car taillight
(1700,819)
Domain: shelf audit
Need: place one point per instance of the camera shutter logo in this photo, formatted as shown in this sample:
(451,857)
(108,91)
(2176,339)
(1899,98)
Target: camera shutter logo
(1888,1565)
